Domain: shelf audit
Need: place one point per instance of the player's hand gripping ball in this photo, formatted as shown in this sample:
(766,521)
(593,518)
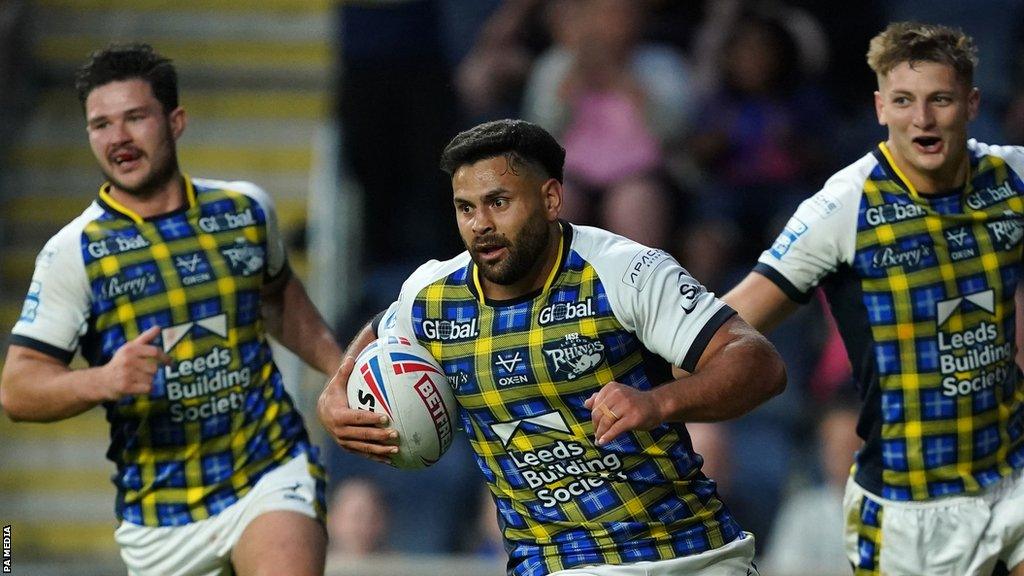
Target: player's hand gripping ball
(400,378)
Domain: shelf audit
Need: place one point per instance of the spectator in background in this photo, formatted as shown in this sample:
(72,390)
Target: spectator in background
(616,103)
(358,519)
(395,101)
(492,75)
(759,146)
(807,537)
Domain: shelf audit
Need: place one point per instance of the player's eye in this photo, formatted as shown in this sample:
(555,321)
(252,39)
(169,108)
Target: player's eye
(500,202)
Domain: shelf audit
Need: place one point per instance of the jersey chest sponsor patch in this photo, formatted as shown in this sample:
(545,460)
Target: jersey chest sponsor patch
(573,356)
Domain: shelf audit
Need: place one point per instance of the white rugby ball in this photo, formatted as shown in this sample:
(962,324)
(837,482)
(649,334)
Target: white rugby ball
(400,378)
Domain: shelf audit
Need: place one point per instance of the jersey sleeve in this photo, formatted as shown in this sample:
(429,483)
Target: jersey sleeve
(56,310)
(672,313)
(276,255)
(817,239)
(397,319)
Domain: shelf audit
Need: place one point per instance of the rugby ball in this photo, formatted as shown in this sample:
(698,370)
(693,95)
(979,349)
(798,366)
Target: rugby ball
(398,377)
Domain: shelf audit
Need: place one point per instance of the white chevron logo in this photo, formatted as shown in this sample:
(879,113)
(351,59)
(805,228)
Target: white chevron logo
(986,300)
(217,324)
(551,420)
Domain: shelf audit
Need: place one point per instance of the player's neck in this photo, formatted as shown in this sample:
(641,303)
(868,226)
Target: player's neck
(948,177)
(534,280)
(162,199)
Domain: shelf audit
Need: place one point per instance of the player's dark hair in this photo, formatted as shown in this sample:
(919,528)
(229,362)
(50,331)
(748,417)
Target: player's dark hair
(518,140)
(913,42)
(119,62)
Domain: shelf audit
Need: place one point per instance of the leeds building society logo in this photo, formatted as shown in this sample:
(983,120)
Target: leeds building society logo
(573,356)
(563,464)
(194,384)
(971,358)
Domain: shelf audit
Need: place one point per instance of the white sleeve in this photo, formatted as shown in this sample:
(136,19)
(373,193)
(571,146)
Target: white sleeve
(276,255)
(651,295)
(819,237)
(1012,155)
(397,318)
(56,311)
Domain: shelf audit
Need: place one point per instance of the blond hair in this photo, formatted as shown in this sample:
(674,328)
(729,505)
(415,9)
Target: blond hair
(913,42)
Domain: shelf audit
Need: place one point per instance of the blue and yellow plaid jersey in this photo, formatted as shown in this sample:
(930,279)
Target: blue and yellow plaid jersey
(922,288)
(611,310)
(218,417)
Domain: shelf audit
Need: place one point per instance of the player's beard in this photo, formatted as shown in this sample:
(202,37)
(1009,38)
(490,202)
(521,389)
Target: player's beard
(164,167)
(524,252)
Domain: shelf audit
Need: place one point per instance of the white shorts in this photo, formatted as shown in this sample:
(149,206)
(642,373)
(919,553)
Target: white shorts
(734,559)
(954,536)
(204,547)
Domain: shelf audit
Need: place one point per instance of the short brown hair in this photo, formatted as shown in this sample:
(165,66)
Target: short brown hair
(913,42)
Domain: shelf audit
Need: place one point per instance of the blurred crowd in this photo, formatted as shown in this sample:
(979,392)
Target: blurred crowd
(689,126)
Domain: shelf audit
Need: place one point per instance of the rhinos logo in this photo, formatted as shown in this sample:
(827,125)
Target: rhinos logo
(1006,234)
(573,356)
(243,258)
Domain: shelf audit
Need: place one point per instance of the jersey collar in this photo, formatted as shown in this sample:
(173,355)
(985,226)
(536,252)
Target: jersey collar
(889,162)
(112,205)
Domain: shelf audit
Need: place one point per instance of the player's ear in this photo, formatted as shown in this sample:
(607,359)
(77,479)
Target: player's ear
(879,108)
(551,193)
(178,121)
(973,103)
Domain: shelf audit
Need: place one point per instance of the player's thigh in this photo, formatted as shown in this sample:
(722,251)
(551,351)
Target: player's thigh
(281,542)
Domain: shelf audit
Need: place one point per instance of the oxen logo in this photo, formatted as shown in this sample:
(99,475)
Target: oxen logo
(510,367)
(192,268)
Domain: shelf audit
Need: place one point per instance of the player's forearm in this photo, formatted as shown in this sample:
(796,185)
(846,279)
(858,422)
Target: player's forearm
(742,375)
(760,302)
(294,321)
(47,393)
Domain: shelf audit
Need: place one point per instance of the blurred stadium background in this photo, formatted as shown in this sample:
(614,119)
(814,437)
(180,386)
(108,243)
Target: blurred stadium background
(260,83)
